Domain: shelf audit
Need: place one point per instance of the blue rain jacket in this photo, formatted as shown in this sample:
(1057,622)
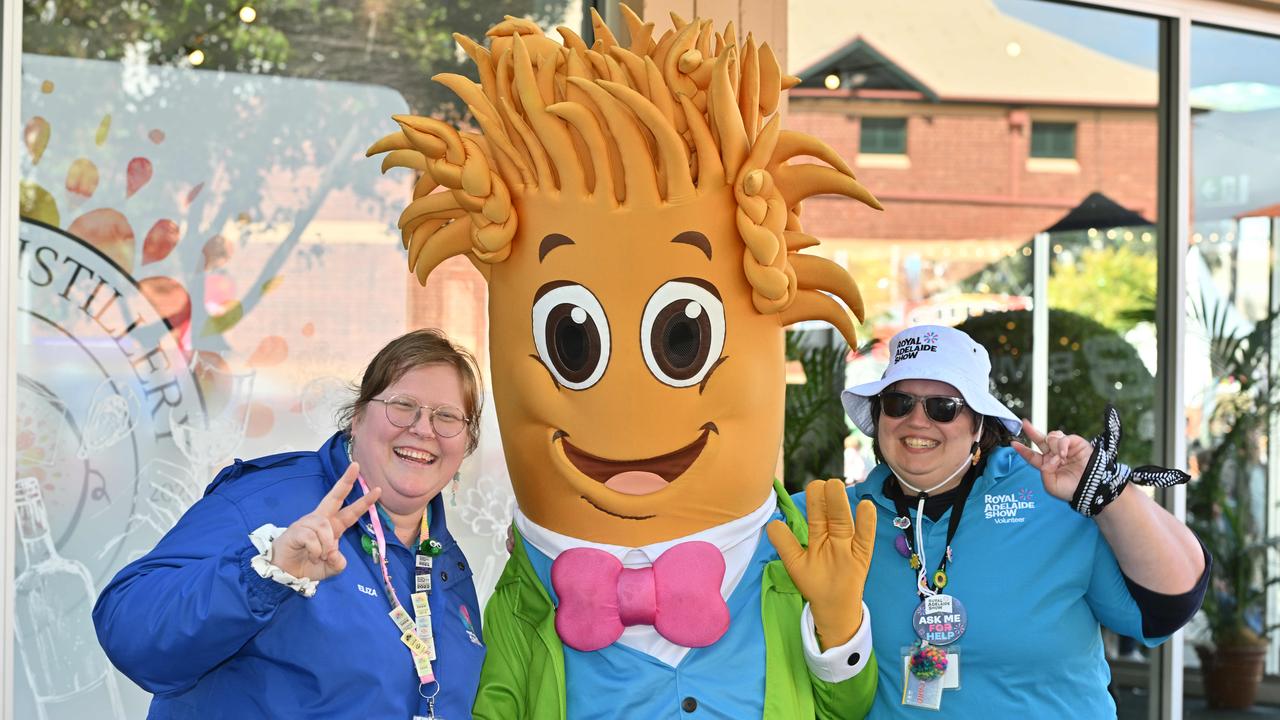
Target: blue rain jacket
(193,623)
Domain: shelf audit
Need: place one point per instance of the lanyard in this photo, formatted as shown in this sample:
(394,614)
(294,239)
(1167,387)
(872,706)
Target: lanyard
(926,585)
(415,629)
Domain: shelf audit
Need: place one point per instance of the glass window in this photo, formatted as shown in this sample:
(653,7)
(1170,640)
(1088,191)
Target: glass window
(967,222)
(1230,349)
(885,136)
(207,261)
(1053,140)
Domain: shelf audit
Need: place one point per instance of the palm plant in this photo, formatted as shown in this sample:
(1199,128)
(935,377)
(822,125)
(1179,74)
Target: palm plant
(815,429)
(1221,503)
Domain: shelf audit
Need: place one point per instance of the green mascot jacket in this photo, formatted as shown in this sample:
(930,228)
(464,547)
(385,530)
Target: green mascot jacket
(524,675)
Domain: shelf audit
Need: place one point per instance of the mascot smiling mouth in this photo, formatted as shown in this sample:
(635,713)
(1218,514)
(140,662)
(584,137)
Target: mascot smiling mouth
(636,477)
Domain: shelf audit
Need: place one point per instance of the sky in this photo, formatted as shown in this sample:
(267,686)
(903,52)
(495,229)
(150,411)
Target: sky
(1217,56)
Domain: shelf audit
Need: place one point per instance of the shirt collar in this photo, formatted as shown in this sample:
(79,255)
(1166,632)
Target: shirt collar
(1000,463)
(334,457)
(725,536)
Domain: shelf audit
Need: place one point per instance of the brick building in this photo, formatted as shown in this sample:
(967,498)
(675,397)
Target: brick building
(975,130)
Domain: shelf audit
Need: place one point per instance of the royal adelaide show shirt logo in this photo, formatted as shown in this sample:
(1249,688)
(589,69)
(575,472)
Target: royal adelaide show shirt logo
(1009,507)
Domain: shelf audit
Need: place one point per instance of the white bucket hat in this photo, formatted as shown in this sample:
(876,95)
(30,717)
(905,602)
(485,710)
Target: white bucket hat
(933,352)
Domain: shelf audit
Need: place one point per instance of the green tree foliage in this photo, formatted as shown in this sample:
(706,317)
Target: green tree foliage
(813,438)
(1112,281)
(1114,284)
(1089,366)
(395,43)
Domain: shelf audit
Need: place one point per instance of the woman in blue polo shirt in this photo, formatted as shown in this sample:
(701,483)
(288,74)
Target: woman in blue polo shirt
(353,609)
(995,565)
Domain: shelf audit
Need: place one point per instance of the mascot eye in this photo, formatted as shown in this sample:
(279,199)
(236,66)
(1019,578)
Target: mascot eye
(682,331)
(571,333)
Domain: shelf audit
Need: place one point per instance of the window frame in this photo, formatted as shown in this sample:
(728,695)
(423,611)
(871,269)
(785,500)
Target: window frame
(882,130)
(10,120)
(1053,133)
(1174,222)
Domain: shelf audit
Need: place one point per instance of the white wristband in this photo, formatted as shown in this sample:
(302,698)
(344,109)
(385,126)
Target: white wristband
(262,539)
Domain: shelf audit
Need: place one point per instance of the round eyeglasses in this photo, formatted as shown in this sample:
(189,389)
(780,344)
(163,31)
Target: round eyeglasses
(939,408)
(404,412)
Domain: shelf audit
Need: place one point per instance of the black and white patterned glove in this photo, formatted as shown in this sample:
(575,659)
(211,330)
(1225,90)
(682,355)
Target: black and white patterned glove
(1105,477)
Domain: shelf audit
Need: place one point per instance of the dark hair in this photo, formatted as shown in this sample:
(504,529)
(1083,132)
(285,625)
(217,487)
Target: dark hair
(428,346)
(994,433)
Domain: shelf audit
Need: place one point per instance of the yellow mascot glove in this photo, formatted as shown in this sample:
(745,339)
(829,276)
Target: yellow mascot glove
(831,573)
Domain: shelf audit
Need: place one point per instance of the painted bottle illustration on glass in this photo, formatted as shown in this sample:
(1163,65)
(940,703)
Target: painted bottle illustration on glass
(68,673)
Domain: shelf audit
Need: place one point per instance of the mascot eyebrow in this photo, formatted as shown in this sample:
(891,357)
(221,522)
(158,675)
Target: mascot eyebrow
(656,123)
(551,242)
(696,239)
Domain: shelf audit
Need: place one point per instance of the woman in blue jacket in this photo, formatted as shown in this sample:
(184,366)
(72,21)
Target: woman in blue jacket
(320,584)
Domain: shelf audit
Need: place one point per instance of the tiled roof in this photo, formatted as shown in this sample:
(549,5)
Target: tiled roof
(961,50)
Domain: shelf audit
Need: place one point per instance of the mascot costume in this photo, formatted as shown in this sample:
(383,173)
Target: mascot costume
(634,210)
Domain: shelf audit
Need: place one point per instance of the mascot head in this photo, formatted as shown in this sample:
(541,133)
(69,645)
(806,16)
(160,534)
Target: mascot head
(635,211)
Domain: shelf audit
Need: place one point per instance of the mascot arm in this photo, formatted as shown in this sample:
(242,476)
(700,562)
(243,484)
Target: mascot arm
(843,678)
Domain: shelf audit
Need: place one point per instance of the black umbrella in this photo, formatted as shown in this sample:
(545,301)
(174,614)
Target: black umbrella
(1097,211)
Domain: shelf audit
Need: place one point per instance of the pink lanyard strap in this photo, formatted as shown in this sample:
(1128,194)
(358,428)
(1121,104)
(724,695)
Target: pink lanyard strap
(422,666)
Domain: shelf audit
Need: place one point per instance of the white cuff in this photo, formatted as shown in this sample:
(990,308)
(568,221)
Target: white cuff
(262,539)
(837,664)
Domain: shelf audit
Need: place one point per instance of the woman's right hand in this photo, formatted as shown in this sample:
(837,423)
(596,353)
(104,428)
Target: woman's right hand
(309,547)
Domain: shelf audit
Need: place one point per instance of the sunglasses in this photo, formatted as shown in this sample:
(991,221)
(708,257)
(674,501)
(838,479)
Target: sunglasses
(939,408)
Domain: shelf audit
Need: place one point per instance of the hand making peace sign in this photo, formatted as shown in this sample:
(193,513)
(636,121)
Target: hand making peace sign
(1063,461)
(309,547)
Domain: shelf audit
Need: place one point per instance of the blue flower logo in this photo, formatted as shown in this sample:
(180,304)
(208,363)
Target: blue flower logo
(1026,495)
(931,338)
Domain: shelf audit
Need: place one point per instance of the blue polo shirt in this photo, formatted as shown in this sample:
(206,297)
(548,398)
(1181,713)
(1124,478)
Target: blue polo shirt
(1038,581)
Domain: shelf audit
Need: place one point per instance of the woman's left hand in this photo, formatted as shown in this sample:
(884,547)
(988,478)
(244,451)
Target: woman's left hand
(1063,460)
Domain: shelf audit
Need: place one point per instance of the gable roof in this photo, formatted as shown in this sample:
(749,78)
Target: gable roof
(958,50)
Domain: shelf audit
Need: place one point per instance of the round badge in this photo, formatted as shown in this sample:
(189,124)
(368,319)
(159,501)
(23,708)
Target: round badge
(940,620)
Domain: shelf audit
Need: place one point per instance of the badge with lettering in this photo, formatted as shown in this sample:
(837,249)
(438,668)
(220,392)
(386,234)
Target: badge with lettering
(940,620)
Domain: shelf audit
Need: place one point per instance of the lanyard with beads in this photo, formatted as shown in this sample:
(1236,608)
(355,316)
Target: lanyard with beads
(415,630)
(940,619)
(914,546)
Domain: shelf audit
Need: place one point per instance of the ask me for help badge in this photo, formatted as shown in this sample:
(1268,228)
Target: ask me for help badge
(928,668)
(940,620)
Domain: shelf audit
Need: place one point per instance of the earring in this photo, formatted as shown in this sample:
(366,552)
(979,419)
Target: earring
(453,495)
(977,455)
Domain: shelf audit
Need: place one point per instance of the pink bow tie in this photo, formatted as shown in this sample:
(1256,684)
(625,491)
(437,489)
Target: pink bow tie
(679,596)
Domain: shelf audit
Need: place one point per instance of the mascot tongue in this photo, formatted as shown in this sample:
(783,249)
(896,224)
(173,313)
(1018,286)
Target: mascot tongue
(636,482)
